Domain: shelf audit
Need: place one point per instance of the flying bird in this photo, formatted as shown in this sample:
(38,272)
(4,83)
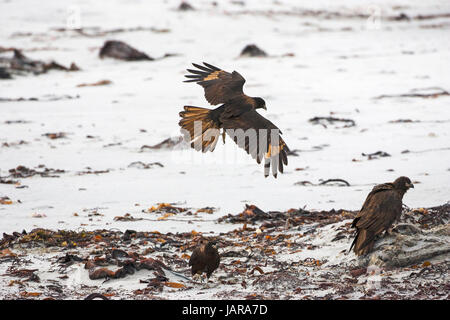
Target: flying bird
(236,116)
(204,259)
(383,206)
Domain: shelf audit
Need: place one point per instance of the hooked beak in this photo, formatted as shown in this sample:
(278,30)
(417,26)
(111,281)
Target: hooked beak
(410,185)
(214,243)
(265,108)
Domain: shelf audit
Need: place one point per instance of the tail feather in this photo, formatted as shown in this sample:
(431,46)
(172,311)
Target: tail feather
(363,242)
(201,131)
(354,241)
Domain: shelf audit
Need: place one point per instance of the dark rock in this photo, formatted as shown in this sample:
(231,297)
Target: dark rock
(185,6)
(410,247)
(4,74)
(252,50)
(122,51)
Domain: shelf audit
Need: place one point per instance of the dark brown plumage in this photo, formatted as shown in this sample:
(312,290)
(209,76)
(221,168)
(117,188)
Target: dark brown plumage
(204,259)
(236,116)
(383,206)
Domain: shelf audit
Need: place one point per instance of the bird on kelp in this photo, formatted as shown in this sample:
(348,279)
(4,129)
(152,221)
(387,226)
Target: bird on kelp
(383,206)
(204,259)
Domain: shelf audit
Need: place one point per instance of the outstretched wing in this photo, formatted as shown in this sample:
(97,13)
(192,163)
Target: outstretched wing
(260,138)
(220,86)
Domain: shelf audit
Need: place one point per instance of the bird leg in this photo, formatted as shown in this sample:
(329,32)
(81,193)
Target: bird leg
(195,277)
(198,278)
(388,232)
(223,136)
(207,286)
(212,284)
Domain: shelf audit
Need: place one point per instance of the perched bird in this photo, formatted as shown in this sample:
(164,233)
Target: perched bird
(236,115)
(383,206)
(204,259)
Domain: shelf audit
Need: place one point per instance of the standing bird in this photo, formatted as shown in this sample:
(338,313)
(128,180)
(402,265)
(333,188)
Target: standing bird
(205,258)
(383,206)
(236,115)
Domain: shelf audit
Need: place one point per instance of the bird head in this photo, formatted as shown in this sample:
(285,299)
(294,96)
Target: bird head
(403,183)
(212,244)
(260,103)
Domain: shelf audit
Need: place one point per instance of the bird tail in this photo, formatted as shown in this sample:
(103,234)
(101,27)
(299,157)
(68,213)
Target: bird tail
(199,128)
(363,242)
(354,241)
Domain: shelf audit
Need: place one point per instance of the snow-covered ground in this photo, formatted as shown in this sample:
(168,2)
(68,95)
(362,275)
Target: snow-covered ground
(318,65)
